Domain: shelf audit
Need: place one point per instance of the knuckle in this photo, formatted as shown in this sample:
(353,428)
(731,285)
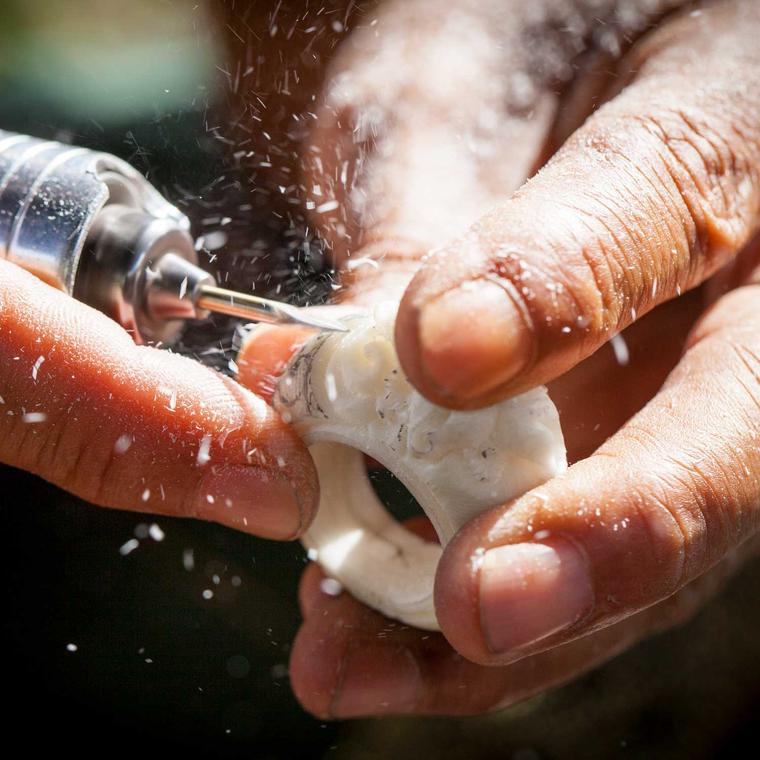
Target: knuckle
(707,168)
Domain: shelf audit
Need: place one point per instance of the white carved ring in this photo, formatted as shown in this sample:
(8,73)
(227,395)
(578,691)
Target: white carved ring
(346,394)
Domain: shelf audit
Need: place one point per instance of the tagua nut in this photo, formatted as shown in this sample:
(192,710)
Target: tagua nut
(347,396)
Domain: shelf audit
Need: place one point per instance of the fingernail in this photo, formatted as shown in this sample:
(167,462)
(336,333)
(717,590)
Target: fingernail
(377,680)
(250,499)
(473,339)
(530,591)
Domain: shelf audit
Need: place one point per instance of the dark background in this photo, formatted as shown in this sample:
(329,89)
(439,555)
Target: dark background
(157,667)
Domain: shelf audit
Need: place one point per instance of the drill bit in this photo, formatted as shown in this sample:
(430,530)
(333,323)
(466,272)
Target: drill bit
(258,309)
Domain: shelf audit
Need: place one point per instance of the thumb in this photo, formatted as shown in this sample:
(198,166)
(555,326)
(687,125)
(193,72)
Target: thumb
(136,428)
(657,191)
(659,504)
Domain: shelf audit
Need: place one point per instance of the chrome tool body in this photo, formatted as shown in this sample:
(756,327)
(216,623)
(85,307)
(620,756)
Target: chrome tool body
(87,223)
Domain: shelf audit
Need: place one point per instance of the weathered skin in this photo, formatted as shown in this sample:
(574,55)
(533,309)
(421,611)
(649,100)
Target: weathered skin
(656,193)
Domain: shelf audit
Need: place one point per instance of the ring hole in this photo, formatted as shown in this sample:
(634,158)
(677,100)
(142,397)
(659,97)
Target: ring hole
(397,499)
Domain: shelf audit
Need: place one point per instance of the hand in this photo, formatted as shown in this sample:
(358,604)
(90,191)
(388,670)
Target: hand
(137,428)
(657,194)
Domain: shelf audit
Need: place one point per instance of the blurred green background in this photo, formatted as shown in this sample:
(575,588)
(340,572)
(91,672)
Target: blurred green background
(108,653)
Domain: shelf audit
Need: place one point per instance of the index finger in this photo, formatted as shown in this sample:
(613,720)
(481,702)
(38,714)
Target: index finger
(658,190)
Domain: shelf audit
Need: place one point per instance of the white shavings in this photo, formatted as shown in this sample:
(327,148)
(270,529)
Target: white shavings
(215,240)
(155,532)
(123,443)
(188,560)
(128,547)
(203,451)
(323,208)
(331,587)
(145,494)
(71,647)
(541,535)
(183,288)
(2,400)
(33,417)
(362,261)
(312,554)
(171,393)
(209,498)
(36,367)
(620,347)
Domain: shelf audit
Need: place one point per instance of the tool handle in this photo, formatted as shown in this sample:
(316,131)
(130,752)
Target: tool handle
(89,224)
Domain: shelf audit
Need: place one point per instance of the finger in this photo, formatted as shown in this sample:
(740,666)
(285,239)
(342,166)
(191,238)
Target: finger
(399,161)
(661,502)
(657,191)
(137,428)
(744,269)
(599,395)
(348,661)
(264,354)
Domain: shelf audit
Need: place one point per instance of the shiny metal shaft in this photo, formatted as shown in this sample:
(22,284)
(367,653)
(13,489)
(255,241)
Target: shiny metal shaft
(258,309)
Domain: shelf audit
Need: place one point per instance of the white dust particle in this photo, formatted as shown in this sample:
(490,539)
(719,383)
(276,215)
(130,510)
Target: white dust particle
(2,400)
(331,587)
(32,417)
(203,451)
(37,366)
(236,581)
(331,387)
(215,240)
(620,347)
(280,462)
(141,530)
(209,498)
(478,556)
(362,261)
(123,443)
(280,670)
(323,208)
(128,547)
(541,535)
(155,532)
(207,593)
(188,560)
(312,554)
(145,494)
(183,288)
(71,647)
